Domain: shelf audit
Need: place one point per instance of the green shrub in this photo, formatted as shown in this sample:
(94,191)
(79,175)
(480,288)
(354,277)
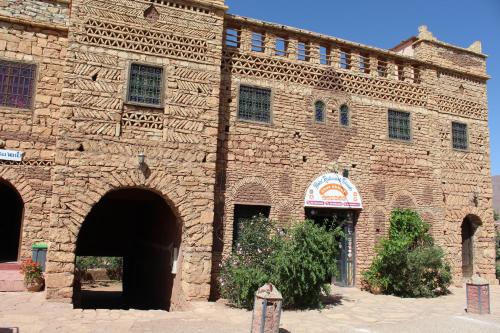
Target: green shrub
(408,264)
(298,262)
(304,264)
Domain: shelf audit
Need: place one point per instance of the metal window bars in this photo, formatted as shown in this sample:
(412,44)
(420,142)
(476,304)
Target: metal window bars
(17,84)
(459,136)
(319,111)
(145,84)
(344,115)
(399,125)
(255,104)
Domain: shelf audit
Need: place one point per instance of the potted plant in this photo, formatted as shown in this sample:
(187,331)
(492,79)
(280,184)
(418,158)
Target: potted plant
(33,276)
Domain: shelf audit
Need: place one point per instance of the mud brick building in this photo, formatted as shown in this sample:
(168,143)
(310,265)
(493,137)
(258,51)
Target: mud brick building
(150,130)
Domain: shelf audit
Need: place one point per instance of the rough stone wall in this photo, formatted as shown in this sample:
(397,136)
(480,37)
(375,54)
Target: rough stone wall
(284,157)
(101,135)
(33,131)
(54,12)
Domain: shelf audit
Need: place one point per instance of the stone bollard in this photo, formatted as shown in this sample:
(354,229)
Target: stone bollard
(478,295)
(267,310)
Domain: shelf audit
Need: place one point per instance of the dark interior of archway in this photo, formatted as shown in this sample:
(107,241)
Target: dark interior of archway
(469,227)
(139,226)
(11,208)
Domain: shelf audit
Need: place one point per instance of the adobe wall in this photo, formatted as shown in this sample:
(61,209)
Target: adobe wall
(101,134)
(33,34)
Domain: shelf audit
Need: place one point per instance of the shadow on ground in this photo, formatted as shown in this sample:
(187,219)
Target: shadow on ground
(332,300)
(9,330)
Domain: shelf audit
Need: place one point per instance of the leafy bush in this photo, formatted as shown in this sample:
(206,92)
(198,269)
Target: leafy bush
(298,262)
(408,264)
(112,265)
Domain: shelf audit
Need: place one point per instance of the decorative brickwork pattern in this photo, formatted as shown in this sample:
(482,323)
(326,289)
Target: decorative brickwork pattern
(318,77)
(143,40)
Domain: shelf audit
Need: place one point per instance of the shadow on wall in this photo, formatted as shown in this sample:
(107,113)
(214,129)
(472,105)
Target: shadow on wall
(11,330)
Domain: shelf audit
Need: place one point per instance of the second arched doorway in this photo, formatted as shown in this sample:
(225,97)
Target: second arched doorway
(137,226)
(468,230)
(12,207)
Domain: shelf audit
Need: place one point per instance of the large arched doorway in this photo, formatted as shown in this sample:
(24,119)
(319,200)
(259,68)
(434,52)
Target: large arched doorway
(11,208)
(469,227)
(138,226)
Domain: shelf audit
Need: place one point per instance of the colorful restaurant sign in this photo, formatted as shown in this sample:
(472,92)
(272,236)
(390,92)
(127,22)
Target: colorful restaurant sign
(333,191)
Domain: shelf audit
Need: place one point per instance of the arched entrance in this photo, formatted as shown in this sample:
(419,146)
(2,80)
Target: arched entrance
(333,201)
(138,226)
(469,227)
(11,208)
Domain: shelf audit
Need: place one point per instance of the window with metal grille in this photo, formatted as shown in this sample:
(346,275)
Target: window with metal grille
(345,59)
(232,37)
(459,136)
(319,111)
(344,115)
(257,42)
(324,55)
(255,104)
(281,47)
(302,51)
(17,84)
(399,125)
(145,85)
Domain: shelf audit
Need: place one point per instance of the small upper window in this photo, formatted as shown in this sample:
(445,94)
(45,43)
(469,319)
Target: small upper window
(345,59)
(382,67)
(416,74)
(399,125)
(344,115)
(145,85)
(257,42)
(302,51)
(233,37)
(364,63)
(319,111)
(324,55)
(401,71)
(17,84)
(255,104)
(281,47)
(459,136)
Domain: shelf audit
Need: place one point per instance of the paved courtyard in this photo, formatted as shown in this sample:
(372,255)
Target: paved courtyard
(354,311)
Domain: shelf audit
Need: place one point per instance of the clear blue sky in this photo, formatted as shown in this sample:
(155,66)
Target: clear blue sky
(384,23)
